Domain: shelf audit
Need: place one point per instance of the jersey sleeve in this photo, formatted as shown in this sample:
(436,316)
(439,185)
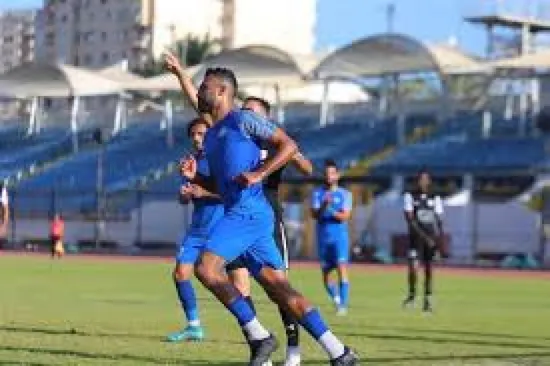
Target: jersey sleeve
(438,205)
(255,126)
(348,201)
(316,198)
(408,202)
(4,197)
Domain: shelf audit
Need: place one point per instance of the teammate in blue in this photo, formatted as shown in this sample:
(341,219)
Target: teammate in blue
(232,147)
(331,207)
(207,210)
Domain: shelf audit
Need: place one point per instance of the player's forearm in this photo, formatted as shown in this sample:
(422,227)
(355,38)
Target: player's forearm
(285,152)
(210,195)
(302,164)
(342,215)
(188,89)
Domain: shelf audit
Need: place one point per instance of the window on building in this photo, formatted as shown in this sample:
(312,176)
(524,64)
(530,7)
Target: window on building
(64,18)
(105,57)
(103,2)
(76,61)
(88,59)
(103,36)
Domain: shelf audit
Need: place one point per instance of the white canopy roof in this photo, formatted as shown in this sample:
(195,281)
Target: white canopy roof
(537,60)
(259,65)
(54,80)
(163,82)
(118,74)
(390,54)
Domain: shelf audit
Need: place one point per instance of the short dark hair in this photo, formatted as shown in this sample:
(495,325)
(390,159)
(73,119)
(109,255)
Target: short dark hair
(195,122)
(226,75)
(330,163)
(264,103)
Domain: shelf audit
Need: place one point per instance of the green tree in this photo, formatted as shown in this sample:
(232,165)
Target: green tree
(194,49)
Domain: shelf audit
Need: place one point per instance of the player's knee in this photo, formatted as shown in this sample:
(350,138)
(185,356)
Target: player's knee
(182,272)
(208,271)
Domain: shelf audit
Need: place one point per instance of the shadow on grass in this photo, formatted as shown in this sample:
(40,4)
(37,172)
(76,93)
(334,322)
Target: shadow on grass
(79,333)
(19,362)
(441,340)
(449,358)
(461,333)
(87,355)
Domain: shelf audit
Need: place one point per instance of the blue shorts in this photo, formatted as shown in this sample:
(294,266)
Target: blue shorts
(190,249)
(333,253)
(249,235)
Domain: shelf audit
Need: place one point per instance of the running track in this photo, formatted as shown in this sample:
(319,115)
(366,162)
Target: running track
(366,267)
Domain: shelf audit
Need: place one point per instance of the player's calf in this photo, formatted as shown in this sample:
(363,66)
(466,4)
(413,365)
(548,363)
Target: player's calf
(280,291)
(210,272)
(186,294)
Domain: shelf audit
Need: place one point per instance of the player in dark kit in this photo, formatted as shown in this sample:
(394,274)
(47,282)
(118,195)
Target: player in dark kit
(423,212)
(237,270)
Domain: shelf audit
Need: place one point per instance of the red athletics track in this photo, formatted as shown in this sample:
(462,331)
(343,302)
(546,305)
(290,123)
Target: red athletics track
(366,267)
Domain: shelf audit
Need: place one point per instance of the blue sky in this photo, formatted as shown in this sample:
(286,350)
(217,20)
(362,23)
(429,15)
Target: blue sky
(342,21)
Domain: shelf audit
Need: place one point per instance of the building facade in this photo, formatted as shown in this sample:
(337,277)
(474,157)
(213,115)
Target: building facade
(17,38)
(99,33)
(285,24)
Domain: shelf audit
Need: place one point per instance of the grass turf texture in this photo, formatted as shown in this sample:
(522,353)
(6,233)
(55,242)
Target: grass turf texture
(86,311)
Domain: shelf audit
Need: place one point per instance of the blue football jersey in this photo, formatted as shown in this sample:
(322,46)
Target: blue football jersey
(233,147)
(206,211)
(341,200)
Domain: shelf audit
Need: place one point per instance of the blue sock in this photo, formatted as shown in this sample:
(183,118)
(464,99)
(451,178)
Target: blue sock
(332,290)
(344,293)
(314,324)
(241,310)
(186,294)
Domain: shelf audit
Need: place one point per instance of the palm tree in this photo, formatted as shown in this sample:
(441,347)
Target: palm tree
(194,49)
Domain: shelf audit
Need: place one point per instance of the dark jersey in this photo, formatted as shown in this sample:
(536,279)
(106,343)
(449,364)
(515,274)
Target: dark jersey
(426,208)
(272,184)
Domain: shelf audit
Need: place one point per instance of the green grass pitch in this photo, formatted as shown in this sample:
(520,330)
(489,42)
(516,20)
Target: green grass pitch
(88,311)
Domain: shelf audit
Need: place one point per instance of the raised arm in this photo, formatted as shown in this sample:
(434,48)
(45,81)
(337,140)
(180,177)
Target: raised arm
(188,89)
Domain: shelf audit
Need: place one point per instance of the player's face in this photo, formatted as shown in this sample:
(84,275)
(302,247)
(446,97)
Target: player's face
(424,181)
(331,176)
(210,94)
(256,107)
(197,134)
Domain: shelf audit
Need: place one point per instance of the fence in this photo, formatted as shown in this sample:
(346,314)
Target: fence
(145,220)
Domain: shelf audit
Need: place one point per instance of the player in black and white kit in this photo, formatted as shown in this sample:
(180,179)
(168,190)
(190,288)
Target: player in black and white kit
(237,270)
(423,212)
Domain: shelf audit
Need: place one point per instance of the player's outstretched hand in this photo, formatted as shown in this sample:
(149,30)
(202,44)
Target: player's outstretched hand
(172,64)
(249,178)
(197,191)
(188,167)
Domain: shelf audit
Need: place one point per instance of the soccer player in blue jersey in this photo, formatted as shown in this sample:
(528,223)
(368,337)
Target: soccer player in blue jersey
(237,271)
(232,148)
(207,210)
(331,207)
